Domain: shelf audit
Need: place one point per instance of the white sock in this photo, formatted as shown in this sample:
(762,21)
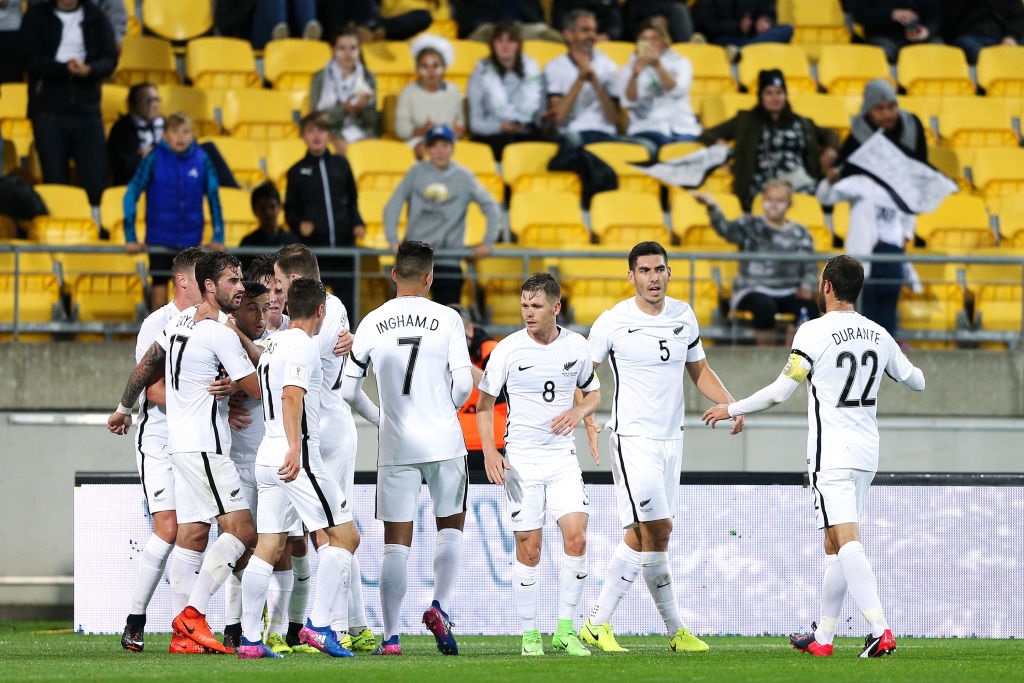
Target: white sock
(658,576)
(279,593)
(185,566)
(571,576)
(339,612)
(447,562)
(524,580)
(331,583)
(356,607)
(152,561)
(253,590)
(215,570)
(300,590)
(833,592)
(233,600)
(860,581)
(623,569)
(394,567)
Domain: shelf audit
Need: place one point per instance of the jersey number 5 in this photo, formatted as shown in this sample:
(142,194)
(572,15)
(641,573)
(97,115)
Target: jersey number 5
(864,401)
(414,342)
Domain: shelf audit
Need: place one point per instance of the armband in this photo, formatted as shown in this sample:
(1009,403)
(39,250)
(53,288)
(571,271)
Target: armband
(794,369)
(122,409)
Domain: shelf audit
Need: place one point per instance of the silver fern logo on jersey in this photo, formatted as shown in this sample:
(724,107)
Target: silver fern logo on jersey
(567,368)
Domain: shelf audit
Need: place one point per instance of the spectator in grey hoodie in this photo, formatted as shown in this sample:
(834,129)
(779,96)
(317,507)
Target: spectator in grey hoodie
(438,191)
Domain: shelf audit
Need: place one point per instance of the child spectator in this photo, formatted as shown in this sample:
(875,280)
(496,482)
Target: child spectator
(346,93)
(430,101)
(266,206)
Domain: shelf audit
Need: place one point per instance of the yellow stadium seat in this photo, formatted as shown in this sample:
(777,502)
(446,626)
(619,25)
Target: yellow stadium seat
(281,156)
(38,291)
(500,277)
(998,173)
(789,58)
(959,225)
(592,285)
(825,110)
(547,219)
(371,208)
(692,225)
(997,292)
(10,157)
(113,103)
(845,69)
(976,122)
(1011,222)
(133,26)
(259,115)
(807,212)
(934,70)
(112,214)
(391,63)
(192,101)
(946,160)
(242,158)
(543,51)
(816,24)
(524,167)
(467,54)
(621,219)
(476,225)
(107,288)
(999,70)
(940,304)
(619,51)
(925,108)
(177,20)
(719,180)
(289,64)
(379,164)
(70,220)
(478,158)
(239,219)
(712,73)
(446,28)
(146,59)
(717,109)
(217,63)
(677,150)
(696,282)
(619,156)
(14,122)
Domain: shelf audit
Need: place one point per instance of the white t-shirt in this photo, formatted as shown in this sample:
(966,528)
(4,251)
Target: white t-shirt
(292,358)
(196,353)
(845,357)
(72,41)
(151,427)
(560,74)
(336,423)
(656,109)
(540,381)
(648,356)
(414,345)
(245,442)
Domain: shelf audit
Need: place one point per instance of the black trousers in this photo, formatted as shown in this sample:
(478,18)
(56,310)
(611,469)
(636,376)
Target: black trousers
(764,308)
(447,287)
(880,296)
(62,137)
(338,273)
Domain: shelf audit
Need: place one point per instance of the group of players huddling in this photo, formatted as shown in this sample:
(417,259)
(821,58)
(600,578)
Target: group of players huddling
(245,417)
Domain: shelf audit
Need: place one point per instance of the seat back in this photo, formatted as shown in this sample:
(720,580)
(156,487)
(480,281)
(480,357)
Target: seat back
(825,110)
(712,73)
(976,122)
(620,156)
(467,54)
(193,101)
(289,64)
(146,59)
(281,156)
(933,70)
(177,20)
(543,51)
(846,69)
(391,63)
(479,158)
(959,224)
(70,220)
(790,59)
(14,122)
(999,70)
(217,63)
(524,168)
(242,158)
(622,218)
(547,219)
(379,164)
(259,115)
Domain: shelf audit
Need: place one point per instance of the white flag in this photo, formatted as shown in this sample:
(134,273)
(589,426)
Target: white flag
(691,170)
(916,187)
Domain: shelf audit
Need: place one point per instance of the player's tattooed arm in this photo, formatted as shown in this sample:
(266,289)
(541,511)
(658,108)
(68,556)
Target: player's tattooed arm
(148,368)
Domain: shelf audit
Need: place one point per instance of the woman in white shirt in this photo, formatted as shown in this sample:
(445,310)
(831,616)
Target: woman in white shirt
(430,100)
(655,88)
(346,93)
(505,92)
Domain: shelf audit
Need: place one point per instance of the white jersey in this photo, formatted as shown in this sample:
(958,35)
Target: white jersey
(292,358)
(540,381)
(561,73)
(336,423)
(151,427)
(845,356)
(245,442)
(414,345)
(648,356)
(196,354)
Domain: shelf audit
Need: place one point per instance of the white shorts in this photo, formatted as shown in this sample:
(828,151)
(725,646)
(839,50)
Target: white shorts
(839,495)
(206,485)
(646,474)
(247,475)
(551,483)
(154,464)
(398,488)
(340,462)
(312,498)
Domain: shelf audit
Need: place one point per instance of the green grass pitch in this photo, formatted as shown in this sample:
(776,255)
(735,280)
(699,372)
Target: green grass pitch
(34,651)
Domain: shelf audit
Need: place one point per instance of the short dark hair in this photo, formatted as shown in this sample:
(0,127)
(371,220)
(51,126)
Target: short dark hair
(570,19)
(254,289)
(265,190)
(413,260)
(646,249)
(543,282)
(210,265)
(846,275)
(261,268)
(135,93)
(314,119)
(186,259)
(304,296)
(298,259)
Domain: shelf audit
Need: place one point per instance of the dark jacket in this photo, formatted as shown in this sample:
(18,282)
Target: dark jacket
(305,201)
(123,150)
(908,127)
(876,16)
(471,13)
(746,128)
(607,13)
(983,17)
(722,17)
(51,87)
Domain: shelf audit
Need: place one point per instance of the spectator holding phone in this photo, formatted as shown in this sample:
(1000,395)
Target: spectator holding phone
(892,24)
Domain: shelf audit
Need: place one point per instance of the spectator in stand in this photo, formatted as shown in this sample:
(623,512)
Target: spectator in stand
(392,20)
(672,15)
(429,101)
(135,134)
(505,92)
(891,24)
(976,24)
(606,12)
(880,110)
(174,176)
(655,90)
(478,19)
(11,69)
(271,21)
(266,206)
(68,50)
(772,143)
(737,23)
(764,286)
(345,92)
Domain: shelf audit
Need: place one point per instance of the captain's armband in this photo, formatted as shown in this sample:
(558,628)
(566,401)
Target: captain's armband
(794,368)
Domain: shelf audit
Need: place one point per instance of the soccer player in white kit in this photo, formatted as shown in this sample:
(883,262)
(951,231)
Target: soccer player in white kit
(293,482)
(151,456)
(843,356)
(540,368)
(649,340)
(206,483)
(338,439)
(421,363)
